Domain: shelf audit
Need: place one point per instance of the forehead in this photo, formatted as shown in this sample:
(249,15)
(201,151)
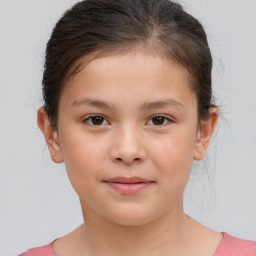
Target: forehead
(134,72)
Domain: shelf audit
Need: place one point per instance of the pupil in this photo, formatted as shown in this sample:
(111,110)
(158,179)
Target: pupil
(158,120)
(97,120)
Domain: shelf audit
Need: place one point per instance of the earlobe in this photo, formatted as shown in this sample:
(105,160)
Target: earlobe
(50,135)
(204,135)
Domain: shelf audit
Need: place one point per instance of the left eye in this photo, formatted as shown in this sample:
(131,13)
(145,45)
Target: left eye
(159,120)
(96,120)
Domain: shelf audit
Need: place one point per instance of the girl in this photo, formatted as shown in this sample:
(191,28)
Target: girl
(128,108)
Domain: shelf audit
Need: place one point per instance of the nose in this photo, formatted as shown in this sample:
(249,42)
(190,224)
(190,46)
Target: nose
(127,147)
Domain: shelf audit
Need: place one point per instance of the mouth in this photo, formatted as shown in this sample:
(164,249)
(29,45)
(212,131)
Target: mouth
(128,185)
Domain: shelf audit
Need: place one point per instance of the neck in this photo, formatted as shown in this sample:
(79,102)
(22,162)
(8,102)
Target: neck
(168,233)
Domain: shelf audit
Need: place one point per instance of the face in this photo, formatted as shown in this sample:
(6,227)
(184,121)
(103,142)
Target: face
(128,133)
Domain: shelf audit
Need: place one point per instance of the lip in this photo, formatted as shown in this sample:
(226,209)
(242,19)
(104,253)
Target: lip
(128,185)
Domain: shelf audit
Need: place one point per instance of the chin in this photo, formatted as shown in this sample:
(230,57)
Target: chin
(132,217)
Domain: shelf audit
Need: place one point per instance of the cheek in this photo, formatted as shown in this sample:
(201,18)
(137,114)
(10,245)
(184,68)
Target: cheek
(173,157)
(83,156)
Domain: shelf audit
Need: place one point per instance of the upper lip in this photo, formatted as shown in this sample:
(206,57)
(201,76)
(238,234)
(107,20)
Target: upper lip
(128,180)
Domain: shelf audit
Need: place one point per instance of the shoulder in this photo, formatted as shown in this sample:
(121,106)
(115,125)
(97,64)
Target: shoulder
(45,250)
(234,246)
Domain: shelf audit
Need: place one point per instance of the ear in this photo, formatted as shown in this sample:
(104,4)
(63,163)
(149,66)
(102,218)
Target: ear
(50,135)
(204,134)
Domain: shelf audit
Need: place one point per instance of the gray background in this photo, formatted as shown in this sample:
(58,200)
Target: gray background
(37,203)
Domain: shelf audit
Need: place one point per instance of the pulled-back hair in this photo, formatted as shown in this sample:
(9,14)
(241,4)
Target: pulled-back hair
(95,28)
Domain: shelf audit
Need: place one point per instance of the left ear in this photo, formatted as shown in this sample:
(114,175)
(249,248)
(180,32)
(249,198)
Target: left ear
(205,131)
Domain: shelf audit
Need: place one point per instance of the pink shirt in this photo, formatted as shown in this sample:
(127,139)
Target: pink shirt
(229,246)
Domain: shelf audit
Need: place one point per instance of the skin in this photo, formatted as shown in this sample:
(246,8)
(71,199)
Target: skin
(129,141)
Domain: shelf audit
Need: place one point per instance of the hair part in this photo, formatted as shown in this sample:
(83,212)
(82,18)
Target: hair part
(93,29)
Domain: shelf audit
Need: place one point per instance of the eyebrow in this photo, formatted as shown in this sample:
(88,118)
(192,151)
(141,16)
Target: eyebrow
(94,103)
(161,104)
(146,106)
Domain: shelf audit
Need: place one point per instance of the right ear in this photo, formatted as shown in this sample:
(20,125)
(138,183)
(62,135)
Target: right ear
(50,134)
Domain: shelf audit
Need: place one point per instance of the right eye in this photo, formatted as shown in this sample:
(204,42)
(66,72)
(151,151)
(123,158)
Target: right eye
(95,120)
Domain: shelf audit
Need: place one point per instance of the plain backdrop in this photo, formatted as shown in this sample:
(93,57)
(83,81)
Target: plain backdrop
(37,202)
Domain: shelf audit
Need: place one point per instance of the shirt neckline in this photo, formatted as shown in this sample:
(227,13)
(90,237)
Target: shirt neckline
(224,234)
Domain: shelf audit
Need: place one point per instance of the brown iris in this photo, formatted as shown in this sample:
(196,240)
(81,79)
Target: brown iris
(158,120)
(97,120)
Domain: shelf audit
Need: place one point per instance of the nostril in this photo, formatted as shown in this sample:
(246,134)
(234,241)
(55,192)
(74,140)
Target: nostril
(119,159)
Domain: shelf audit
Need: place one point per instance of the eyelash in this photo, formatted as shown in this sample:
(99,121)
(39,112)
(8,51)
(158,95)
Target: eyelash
(166,120)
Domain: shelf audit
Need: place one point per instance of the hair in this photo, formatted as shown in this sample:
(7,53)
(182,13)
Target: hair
(95,28)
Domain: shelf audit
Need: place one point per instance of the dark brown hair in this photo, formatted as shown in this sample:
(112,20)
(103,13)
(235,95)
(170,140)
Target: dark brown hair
(96,28)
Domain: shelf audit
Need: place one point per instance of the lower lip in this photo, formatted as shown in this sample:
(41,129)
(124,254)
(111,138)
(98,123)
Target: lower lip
(130,188)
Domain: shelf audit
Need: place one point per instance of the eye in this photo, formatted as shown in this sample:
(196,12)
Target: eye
(96,120)
(159,120)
